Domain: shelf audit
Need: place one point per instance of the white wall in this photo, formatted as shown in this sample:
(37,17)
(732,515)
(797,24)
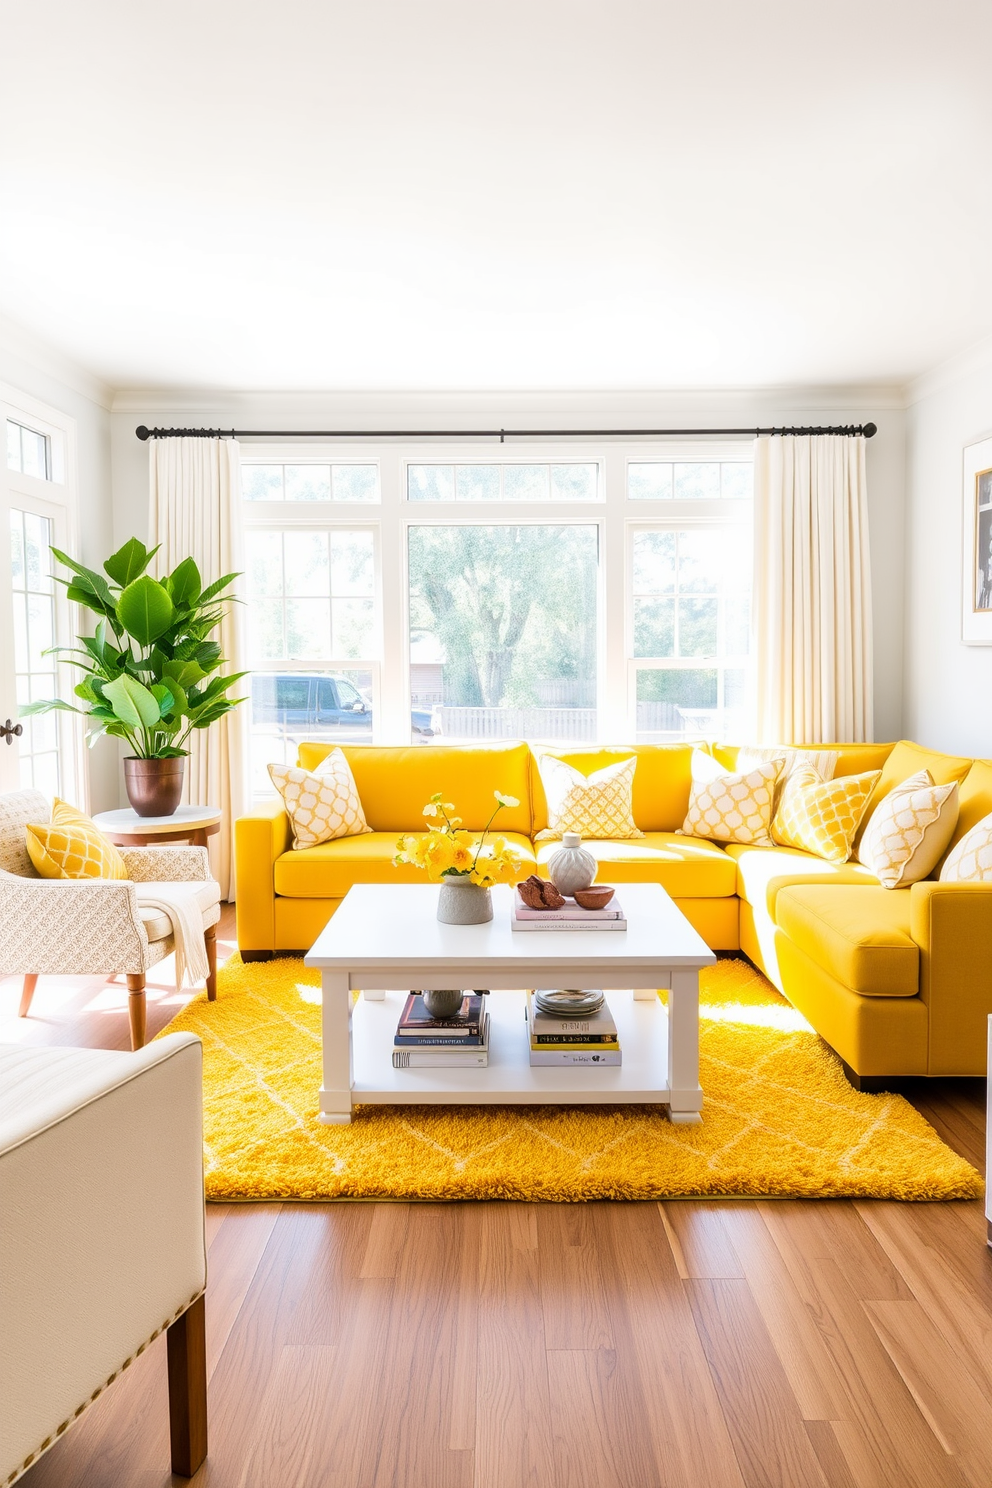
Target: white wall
(948,687)
(886,471)
(43,373)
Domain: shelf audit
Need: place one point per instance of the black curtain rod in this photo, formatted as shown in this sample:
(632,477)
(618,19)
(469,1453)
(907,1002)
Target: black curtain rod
(142,432)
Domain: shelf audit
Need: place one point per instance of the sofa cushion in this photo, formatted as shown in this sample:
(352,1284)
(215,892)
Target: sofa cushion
(852,759)
(686,867)
(395,784)
(860,935)
(908,759)
(762,872)
(661,781)
(328,871)
(974,799)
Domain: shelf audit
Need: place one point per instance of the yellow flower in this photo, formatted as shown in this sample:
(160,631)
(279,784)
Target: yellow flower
(461,857)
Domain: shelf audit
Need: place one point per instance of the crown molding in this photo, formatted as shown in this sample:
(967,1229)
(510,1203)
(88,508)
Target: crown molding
(45,358)
(970,362)
(775,404)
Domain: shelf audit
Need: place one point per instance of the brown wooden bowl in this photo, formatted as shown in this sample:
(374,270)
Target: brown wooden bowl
(597,896)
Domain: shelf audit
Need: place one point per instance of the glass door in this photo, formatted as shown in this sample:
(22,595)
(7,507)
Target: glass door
(40,752)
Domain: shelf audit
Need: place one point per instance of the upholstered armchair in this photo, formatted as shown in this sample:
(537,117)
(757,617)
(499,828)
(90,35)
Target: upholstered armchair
(101,1238)
(92,926)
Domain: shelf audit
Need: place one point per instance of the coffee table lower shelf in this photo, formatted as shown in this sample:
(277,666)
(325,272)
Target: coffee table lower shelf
(509,1078)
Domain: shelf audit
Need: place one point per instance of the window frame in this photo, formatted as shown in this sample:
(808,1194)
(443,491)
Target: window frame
(613,513)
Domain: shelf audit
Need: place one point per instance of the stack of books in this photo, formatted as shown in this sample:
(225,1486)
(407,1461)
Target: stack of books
(423,1042)
(555,1041)
(570,917)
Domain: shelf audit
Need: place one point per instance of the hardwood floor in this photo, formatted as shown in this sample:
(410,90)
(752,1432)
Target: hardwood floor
(733,1344)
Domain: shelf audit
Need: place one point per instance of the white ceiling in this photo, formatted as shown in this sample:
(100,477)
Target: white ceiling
(445,194)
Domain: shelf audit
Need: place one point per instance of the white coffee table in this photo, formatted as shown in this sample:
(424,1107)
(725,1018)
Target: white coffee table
(386,940)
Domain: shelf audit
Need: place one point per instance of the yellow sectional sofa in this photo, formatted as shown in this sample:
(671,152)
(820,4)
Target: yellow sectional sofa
(898,981)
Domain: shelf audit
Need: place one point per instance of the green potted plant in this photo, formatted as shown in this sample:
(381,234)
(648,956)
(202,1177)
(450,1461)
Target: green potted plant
(150,675)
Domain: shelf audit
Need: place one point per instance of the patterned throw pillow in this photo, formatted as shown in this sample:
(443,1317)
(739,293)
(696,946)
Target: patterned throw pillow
(321,804)
(970,860)
(596,805)
(908,832)
(819,816)
(730,807)
(72,846)
(824,761)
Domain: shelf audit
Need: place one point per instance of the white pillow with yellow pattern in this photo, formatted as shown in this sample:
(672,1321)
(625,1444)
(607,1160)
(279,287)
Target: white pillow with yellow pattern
(908,832)
(970,860)
(599,805)
(321,804)
(822,816)
(726,807)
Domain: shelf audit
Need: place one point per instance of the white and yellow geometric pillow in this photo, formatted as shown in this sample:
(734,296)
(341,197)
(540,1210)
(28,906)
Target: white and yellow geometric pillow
(321,805)
(821,817)
(72,846)
(596,806)
(909,830)
(970,860)
(731,807)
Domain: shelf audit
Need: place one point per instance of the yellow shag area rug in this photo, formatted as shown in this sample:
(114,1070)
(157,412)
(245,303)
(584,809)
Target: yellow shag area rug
(779,1118)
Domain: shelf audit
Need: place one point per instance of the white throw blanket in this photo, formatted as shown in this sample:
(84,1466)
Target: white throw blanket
(184,903)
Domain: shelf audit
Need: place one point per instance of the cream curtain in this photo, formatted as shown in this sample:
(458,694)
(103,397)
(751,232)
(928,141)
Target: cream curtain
(195,496)
(812,589)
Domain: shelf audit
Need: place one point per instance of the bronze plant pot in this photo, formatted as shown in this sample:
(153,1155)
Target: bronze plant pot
(154,786)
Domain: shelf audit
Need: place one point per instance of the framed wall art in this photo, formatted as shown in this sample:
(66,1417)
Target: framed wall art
(976,611)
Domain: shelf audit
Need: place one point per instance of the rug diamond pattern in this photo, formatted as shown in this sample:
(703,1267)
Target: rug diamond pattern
(779,1118)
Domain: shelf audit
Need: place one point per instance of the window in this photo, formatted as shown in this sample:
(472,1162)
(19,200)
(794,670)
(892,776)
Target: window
(28,451)
(556,594)
(503,482)
(310,481)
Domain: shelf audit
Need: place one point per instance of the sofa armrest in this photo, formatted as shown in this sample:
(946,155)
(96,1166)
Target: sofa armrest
(166,864)
(259,839)
(101,1223)
(74,927)
(952,925)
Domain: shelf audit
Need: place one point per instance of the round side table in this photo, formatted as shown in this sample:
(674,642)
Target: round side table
(193,824)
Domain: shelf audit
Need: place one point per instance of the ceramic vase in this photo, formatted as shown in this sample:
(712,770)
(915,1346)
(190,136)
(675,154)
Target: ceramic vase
(571,867)
(463,903)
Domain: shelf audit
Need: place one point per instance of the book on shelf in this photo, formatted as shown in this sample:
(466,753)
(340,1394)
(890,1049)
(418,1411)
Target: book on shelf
(553,1041)
(417,1023)
(454,1056)
(570,916)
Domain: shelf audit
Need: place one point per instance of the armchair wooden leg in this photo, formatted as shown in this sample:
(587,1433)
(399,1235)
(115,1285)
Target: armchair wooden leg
(187,1350)
(136,1009)
(210,937)
(30,982)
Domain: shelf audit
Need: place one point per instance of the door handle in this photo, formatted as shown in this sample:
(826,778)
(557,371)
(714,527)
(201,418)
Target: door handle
(11,731)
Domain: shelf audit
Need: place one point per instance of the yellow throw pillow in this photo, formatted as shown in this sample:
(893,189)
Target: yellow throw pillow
(970,860)
(321,804)
(821,817)
(731,807)
(908,832)
(72,846)
(597,805)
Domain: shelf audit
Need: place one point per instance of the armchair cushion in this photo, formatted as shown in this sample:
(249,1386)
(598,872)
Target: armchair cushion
(166,864)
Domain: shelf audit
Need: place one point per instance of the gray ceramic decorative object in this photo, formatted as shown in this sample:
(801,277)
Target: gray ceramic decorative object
(571,867)
(463,903)
(443,1003)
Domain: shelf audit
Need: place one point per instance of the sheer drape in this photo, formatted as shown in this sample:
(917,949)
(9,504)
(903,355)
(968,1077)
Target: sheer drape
(195,512)
(812,589)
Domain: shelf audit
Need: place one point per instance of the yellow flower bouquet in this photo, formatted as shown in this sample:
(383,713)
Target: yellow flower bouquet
(446,852)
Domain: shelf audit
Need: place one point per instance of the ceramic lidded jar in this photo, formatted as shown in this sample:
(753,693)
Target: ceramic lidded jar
(571,867)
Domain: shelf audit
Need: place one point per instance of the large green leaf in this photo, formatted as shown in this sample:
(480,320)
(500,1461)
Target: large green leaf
(92,583)
(132,702)
(145,609)
(184,584)
(212,590)
(50,705)
(129,562)
(186,673)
